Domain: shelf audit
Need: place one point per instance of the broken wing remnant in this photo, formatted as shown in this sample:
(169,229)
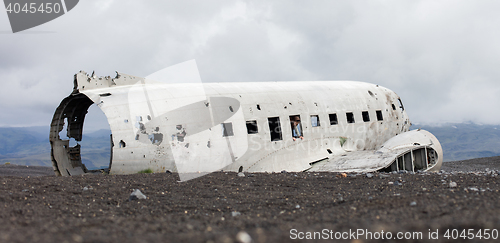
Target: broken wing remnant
(195,128)
(410,151)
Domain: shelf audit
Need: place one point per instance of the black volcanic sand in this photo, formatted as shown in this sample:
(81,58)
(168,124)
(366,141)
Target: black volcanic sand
(216,207)
(25,170)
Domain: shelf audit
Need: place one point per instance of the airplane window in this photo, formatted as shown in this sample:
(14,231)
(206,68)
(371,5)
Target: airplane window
(401,105)
(227,129)
(252,127)
(393,107)
(296,126)
(275,128)
(350,117)
(366,116)
(333,119)
(379,116)
(315,121)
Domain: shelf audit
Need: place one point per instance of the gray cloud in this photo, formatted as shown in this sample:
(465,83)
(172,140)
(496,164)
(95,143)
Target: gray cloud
(441,57)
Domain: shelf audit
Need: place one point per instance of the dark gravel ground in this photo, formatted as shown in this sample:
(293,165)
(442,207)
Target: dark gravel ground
(267,207)
(24,170)
(481,164)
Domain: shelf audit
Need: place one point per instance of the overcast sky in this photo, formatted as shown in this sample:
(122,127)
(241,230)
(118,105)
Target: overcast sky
(441,57)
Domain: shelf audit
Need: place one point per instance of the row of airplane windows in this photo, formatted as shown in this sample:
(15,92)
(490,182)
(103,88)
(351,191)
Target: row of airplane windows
(275,125)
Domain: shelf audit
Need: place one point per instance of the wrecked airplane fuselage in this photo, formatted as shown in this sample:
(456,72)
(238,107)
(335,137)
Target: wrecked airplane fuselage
(196,128)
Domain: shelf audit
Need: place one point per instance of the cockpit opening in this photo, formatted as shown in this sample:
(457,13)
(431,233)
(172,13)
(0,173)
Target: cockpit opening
(401,105)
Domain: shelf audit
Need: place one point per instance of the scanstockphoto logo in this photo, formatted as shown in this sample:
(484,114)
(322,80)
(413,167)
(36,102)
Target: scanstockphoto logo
(26,14)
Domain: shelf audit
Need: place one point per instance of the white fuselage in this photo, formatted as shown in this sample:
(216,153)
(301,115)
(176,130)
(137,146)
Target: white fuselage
(201,128)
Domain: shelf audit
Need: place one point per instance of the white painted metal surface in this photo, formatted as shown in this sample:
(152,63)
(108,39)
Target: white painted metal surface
(195,128)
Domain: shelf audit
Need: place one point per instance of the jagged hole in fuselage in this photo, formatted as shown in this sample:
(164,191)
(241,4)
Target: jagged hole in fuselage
(95,144)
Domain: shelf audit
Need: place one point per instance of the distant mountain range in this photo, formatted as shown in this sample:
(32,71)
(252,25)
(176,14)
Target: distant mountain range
(30,145)
(466,140)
